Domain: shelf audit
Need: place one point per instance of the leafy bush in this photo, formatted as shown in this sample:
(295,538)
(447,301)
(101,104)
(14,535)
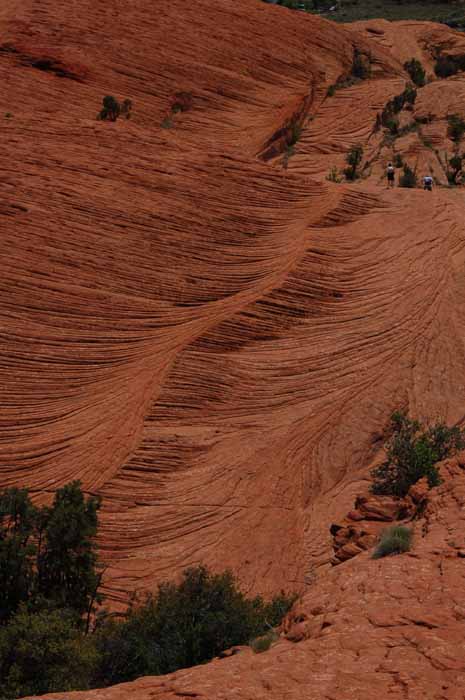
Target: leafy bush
(456,127)
(353,160)
(398,160)
(184,625)
(416,72)
(394,540)
(408,177)
(412,453)
(48,555)
(44,652)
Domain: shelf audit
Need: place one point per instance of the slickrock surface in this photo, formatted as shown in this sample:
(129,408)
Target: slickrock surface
(210,334)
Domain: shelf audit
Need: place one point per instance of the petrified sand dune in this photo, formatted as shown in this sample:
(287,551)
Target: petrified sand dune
(211,341)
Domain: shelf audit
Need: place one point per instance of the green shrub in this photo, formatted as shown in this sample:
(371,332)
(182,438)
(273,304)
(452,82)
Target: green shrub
(44,652)
(111,109)
(398,160)
(167,123)
(361,67)
(416,72)
(353,160)
(184,625)
(412,453)
(445,66)
(331,91)
(408,177)
(394,540)
(454,167)
(261,644)
(456,127)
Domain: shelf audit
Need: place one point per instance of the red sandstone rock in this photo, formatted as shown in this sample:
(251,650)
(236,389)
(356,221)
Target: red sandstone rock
(210,341)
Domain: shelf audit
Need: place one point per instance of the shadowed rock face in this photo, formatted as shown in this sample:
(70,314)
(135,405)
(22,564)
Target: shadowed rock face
(209,340)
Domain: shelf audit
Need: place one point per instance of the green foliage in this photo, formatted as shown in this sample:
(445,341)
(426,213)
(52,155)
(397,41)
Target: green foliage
(44,652)
(48,555)
(112,109)
(454,167)
(388,116)
(361,67)
(263,643)
(67,559)
(331,91)
(294,135)
(17,550)
(445,66)
(394,540)
(456,127)
(412,453)
(184,625)
(408,177)
(398,160)
(353,160)
(416,72)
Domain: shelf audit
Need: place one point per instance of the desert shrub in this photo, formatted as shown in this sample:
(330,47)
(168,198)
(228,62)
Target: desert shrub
(331,91)
(416,72)
(294,134)
(454,166)
(394,540)
(398,160)
(456,127)
(126,108)
(111,109)
(184,625)
(263,643)
(408,177)
(361,68)
(333,175)
(182,102)
(445,66)
(412,453)
(353,160)
(44,652)
(167,123)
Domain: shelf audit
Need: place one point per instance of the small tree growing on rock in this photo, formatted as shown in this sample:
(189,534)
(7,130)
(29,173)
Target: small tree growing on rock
(415,71)
(412,453)
(408,177)
(353,160)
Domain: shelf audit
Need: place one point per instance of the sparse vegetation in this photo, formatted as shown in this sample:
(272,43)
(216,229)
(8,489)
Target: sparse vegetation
(353,160)
(182,102)
(334,175)
(8,115)
(408,177)
(456,127)
(416,72)
(454,168)
(112,109)
(263,643)
(361,67)
(167,123)
(412,453)
(394,540)
(398,160)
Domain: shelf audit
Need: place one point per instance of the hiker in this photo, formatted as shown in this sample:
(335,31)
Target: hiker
(428,183)
(390,174)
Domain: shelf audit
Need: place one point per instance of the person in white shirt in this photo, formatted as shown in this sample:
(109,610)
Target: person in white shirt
(428,183)
(390,174)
